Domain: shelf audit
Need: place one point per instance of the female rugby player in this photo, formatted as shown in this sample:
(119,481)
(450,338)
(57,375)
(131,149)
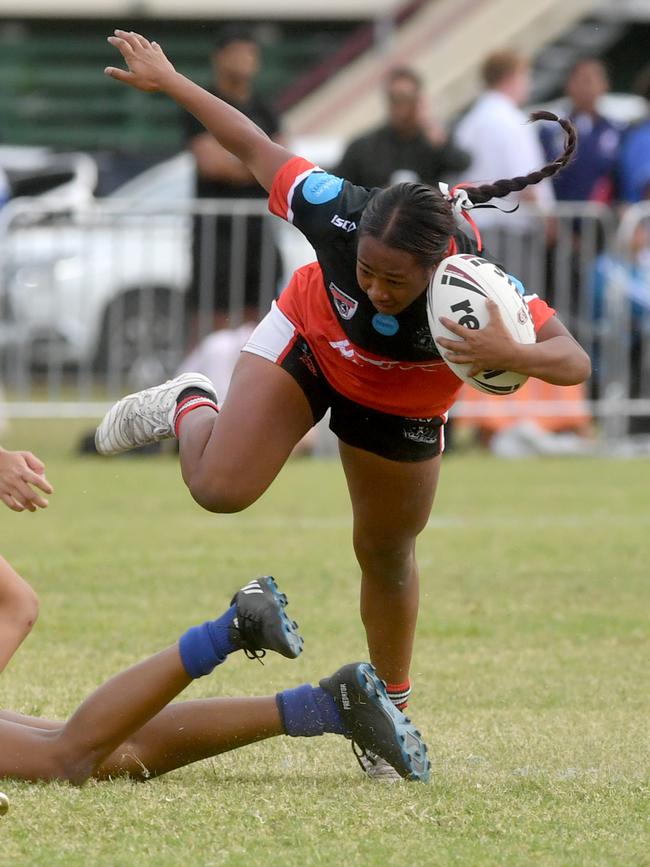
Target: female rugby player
(128,727)
(349,333)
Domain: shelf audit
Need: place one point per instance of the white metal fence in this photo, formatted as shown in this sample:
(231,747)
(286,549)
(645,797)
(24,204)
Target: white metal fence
(96,301)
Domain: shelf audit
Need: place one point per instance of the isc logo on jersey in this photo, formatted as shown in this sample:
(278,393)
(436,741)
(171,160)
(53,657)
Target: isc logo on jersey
(340,223)
(320,187)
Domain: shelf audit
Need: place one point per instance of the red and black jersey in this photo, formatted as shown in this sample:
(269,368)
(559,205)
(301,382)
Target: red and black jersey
(389,363)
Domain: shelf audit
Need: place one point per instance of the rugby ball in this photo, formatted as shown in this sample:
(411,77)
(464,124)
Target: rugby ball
(459,289)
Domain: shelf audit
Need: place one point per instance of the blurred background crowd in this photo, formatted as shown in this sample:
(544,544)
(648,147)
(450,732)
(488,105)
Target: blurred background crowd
(132,245)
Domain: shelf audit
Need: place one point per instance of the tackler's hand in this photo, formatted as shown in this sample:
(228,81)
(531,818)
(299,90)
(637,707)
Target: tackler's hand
(489,348)
(148,68)
(20,474)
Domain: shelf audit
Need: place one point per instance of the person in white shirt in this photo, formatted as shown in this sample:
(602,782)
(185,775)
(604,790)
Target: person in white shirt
(496,133)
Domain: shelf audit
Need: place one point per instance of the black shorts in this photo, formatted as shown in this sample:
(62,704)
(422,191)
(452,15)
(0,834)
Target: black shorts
(390,436)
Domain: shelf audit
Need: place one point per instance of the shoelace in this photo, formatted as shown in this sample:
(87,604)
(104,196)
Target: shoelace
(244,624)
(148,419)
(360,754)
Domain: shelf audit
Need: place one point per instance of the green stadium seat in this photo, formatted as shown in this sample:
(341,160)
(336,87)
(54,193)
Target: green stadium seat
(53,91)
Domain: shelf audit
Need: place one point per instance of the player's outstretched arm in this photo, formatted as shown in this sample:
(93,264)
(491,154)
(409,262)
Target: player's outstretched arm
(148,69)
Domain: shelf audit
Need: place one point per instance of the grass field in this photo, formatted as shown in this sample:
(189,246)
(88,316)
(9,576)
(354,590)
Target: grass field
(531,667)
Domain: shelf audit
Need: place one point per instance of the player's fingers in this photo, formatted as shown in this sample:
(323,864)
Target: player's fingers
(493,309)
(23,493)
(33,462)
(118,74)
(123,46)
(35,497)
(39,481)
(452,326)
(129,37)
(446,343)
(23,502)
(141,40)
(8,500)
(475,370)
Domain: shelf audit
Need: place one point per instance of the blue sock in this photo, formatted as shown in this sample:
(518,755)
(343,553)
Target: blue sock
(204,647)
(309,711)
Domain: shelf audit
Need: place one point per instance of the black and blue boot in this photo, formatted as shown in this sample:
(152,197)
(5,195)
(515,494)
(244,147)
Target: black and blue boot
(374,724)
(261,622)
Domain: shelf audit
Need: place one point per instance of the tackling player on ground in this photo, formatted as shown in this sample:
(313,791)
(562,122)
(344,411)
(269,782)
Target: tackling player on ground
(349,333)
(128,727)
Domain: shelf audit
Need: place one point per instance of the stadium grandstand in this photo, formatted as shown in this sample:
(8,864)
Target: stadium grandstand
(319,59)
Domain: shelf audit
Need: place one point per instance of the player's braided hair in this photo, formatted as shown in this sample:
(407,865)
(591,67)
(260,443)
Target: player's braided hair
(421,220)
(496,190)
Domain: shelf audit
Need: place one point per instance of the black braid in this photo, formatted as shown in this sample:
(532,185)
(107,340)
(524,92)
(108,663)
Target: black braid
(498,189)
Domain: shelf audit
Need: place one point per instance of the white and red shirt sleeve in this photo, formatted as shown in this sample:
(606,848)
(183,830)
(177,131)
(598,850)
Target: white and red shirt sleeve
(287,179)
(539,310)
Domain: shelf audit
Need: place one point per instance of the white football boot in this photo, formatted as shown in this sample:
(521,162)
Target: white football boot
(146,416)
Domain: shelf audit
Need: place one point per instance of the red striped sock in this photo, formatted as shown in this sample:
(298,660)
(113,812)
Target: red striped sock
(399,693)
(187,404)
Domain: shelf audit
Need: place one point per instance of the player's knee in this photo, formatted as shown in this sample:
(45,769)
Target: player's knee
(385,558)
(76,771)
(30,609)
(22,609)
(221,496)
(380,546)
(64,762)
(77,764)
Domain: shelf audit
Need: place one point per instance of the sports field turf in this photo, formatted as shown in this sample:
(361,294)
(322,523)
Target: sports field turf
(531,667)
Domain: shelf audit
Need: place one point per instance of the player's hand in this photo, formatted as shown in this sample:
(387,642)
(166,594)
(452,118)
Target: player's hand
(489,348)
(20,474)
(148,68)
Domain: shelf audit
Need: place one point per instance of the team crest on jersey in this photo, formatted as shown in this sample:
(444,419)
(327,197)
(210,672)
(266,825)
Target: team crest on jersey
(345,305)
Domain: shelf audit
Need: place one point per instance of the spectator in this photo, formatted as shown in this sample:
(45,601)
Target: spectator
(405,147)
(502,144)
(590,175)
(235,63)
(634,157)
(621,298)
(495,132)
